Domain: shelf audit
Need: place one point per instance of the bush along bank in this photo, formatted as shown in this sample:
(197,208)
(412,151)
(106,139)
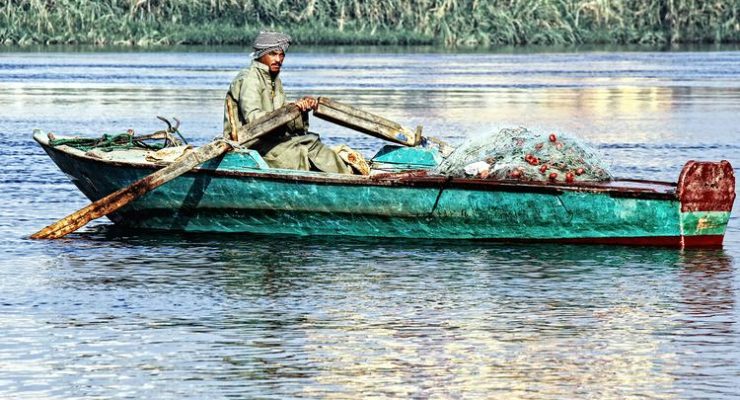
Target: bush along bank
(380,22)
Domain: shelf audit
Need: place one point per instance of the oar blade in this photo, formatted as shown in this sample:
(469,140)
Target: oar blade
(365,122)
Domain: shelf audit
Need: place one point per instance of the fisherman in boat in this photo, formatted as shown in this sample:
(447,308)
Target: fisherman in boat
(256,91)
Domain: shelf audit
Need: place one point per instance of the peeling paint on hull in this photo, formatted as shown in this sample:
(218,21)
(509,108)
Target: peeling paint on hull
(217,199)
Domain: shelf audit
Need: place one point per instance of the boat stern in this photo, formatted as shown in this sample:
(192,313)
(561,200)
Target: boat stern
(706,191)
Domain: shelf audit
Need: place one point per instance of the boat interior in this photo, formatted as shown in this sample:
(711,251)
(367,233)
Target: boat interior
(391,163)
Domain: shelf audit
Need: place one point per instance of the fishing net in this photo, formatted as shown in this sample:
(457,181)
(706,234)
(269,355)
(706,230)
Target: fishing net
(120,141)
(519,154)
(107,142)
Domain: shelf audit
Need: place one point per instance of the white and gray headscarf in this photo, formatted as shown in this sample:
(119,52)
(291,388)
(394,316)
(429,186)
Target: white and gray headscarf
(266,42)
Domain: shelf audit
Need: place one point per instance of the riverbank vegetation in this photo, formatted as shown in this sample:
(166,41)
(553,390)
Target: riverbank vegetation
(398,22)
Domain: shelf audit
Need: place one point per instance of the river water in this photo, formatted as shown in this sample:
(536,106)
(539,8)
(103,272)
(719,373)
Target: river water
(108,314)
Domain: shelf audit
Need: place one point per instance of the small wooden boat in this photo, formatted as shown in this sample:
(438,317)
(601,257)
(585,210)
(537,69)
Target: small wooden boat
(402,198)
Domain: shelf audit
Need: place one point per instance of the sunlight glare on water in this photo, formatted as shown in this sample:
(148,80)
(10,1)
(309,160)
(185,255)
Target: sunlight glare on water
(107,313)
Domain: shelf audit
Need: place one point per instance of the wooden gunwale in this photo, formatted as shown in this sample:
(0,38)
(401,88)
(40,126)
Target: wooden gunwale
(661,191)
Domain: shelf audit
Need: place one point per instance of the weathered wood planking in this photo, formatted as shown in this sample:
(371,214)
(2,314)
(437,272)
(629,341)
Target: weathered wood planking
(362,121)
(416,204)
(121,197)
(269,123)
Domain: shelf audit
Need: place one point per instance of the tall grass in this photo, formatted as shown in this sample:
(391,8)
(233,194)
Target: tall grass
(448,22)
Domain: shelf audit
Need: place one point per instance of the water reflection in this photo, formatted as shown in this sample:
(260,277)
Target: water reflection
(607,98)
(355,318)
(707,278)
(706,330)
(110,313)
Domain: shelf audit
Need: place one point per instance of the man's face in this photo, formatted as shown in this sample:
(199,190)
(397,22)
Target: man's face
(273,59)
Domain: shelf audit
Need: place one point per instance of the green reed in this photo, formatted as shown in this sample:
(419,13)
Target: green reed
(447,22)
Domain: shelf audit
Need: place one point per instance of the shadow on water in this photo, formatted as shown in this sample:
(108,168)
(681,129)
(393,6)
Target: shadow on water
(279,261)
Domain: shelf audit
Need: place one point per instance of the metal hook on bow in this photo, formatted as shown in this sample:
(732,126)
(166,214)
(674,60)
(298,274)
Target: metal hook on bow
(173,129)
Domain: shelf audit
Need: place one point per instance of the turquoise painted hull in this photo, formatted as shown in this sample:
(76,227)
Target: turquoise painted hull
(228,195)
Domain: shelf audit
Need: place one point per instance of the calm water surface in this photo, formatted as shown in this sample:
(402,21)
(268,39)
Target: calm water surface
(107,313)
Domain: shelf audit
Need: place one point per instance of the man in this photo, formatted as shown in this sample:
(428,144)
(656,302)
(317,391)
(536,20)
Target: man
(256,91)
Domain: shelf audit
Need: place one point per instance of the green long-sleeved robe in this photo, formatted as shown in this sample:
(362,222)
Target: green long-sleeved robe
(255,92)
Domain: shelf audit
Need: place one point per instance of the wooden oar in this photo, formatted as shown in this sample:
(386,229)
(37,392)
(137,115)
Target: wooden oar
(121,197)
(375,125)
(363,121)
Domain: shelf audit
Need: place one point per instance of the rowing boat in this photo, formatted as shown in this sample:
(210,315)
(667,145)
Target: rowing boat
(404,198)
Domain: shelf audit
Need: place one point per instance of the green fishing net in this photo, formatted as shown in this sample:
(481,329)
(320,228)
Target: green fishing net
(523,155)
(120,141)
(107,142)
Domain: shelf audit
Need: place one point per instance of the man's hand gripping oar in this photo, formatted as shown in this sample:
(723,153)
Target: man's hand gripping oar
(121,197)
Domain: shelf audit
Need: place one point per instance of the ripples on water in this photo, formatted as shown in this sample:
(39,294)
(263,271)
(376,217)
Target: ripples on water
(119,314)
(106,314)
